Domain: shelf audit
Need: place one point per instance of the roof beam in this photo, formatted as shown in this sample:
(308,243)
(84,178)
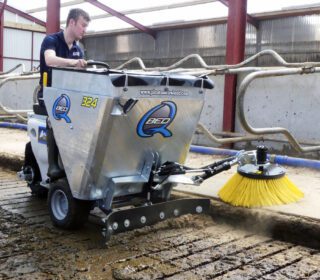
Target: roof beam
(162,27)
(155,8)
(25,26)
(44,8)
(3,5)
(135,11)
(250,19)
(24,15)
(215,21)
(123,17)
(288,13)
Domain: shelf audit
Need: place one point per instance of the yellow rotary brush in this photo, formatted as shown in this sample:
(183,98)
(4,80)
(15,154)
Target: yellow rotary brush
(260,184)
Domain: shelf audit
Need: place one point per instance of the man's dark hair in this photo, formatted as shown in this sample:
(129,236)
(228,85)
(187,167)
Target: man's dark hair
(76,13)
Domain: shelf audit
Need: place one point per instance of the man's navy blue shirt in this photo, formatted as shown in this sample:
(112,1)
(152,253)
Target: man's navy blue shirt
(57,43)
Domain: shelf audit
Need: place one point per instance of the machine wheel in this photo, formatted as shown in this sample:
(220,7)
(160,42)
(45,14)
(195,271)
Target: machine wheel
(66,211)
(32,169)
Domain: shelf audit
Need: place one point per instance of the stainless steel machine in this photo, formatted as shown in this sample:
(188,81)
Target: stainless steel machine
(123,138)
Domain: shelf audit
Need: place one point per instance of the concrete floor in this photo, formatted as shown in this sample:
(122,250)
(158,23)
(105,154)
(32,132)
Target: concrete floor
(12,143)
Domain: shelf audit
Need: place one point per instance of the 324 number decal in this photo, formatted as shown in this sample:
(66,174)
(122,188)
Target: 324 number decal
(89,102)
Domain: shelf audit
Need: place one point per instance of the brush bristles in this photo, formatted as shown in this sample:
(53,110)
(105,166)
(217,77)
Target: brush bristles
(247,192)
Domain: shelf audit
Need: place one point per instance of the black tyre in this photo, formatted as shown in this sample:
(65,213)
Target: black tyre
(66,211)
(31,167)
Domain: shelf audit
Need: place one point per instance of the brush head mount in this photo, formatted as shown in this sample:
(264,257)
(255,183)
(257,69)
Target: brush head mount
(263,171)
(262,154)
(261,168)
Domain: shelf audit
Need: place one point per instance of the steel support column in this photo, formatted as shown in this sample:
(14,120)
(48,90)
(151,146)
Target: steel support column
(236,32)
(250,19)
(53,16)
(1,40)
(3,5)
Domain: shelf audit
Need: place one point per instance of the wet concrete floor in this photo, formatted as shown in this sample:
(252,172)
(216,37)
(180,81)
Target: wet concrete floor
(189,247)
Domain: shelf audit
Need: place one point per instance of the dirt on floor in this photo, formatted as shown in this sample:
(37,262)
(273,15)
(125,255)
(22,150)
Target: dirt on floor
(188,247)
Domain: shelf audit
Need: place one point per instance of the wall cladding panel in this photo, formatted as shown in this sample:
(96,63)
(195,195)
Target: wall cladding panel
(17,43)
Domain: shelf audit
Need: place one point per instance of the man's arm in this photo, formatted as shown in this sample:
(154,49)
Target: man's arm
(53,60)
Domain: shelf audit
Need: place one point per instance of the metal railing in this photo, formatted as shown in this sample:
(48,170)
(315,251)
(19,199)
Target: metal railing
(220,69)
(18,77)
(257,134)
(2,74)
(273,130)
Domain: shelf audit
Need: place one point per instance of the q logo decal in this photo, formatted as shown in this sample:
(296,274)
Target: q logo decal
(157,119)
(61,108)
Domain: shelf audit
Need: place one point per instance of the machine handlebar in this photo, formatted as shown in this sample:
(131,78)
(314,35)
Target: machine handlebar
(98,63)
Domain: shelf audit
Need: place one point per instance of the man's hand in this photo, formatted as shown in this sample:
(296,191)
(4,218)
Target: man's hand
(80,63)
